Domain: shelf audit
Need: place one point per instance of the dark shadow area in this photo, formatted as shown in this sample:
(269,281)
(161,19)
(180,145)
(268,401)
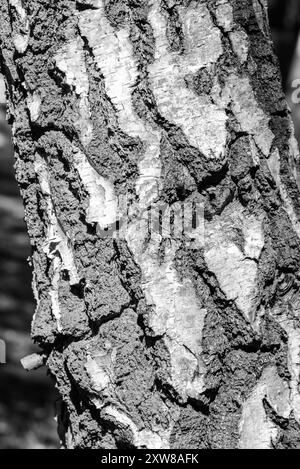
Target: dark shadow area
(285,20)
(285,23)
(26,399)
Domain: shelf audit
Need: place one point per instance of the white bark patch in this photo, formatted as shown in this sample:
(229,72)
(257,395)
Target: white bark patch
(70,60)
(240,44)
(57,245)
(294,364)
(295,156)
(256,430)
(176,311)
(53,293)
(233,244)
(260,8)
(158,439)
(21,42)
(21,38)
(224,16)
(35,294)
(238,91)
(274,166)
(238,37)
(103,204)
(100,368)
(34,105)
(253,236)
(92,3)
(114,56)
(57,241)
(203,123)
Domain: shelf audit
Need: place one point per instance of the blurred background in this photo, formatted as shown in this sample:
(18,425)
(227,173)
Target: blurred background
(27,400)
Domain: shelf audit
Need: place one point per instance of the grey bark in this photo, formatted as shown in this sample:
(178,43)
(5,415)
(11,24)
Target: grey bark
(159,338)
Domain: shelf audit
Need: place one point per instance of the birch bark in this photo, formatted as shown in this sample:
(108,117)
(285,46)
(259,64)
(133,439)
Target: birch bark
(158,166)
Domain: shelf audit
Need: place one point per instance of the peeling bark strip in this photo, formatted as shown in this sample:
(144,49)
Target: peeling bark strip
(159,339)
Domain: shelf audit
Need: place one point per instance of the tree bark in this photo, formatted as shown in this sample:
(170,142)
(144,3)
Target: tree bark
(158,167)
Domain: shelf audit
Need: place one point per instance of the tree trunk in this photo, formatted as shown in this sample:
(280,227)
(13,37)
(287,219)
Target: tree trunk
(157,163)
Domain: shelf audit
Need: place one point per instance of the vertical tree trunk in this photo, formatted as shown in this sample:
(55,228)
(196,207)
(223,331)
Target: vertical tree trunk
(129,117)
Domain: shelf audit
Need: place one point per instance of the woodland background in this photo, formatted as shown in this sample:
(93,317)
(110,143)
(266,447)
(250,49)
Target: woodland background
(27,400)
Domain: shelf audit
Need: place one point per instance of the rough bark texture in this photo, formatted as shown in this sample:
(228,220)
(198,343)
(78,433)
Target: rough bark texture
(159,339)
